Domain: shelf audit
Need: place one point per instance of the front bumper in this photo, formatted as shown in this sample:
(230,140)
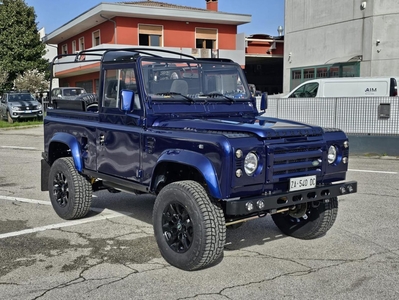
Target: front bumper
(271,203)
(21,114)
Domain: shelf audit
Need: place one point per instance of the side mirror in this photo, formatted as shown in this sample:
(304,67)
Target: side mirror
(127,97)
(263,102)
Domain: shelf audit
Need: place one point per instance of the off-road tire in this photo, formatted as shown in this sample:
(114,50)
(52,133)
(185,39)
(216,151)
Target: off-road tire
(70,192)
(190,230)
(317,219)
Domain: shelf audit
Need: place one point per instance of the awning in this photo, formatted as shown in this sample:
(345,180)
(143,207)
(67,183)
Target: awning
(345,59)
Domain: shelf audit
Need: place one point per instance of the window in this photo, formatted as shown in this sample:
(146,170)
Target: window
(322,72)
(81,44)
(65,49)
(306,91)
(308,73)
(115,82)
(96,38)
(205,38)
(150,35)
(73,46)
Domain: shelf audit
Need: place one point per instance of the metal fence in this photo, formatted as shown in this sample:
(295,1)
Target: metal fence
(360,116)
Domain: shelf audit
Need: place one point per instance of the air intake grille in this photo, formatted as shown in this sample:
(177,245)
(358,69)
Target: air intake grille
(294,160)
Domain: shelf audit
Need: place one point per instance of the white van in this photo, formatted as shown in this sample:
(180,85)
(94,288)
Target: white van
(346,87)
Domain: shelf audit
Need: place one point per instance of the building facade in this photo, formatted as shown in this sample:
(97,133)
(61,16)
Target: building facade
(341,38)
(198,32)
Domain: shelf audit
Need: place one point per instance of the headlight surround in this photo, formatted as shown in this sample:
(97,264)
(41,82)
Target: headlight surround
(16,108)
(332,154)
(251,163)
(38,107)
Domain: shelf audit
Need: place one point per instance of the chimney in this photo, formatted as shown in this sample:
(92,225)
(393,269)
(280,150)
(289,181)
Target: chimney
(212,5)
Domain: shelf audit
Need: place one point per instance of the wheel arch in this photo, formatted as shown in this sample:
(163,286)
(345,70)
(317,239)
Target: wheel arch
(64,144)
(188,163)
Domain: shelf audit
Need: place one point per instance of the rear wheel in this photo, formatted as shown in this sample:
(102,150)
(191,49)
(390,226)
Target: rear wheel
(308,220)
(70,192)
(190,230)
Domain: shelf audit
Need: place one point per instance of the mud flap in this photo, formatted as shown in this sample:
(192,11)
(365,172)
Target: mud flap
(45,170)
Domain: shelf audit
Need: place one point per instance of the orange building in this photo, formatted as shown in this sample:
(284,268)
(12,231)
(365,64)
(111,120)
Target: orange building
(198,32)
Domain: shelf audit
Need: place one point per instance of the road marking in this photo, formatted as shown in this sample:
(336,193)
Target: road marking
(18,148)
(370,171)
(105,214)
(25,200)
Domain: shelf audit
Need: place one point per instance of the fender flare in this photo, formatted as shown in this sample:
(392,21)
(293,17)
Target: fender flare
(198,161)
(73,144)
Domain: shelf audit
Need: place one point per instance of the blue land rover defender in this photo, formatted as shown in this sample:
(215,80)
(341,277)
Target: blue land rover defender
(189,132)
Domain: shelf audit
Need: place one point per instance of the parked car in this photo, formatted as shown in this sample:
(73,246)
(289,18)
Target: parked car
(67,92)
(66,97)
(346,87)
(19,105)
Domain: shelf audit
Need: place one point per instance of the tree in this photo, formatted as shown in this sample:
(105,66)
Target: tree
(3,77)
(20,45)
(32,81)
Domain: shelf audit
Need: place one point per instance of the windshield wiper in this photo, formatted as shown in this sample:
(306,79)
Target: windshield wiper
(176,94)
(214,95)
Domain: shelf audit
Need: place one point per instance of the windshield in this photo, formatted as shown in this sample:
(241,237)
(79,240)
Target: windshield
(73,92)
(20,97)
(182,80)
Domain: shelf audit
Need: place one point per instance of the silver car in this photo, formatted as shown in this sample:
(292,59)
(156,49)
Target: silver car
(18,105)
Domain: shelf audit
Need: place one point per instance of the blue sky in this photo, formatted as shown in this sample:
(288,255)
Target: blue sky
(267,15)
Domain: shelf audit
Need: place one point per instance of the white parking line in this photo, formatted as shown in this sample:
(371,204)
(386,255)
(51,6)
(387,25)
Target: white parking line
(18,148)
(25,200)
(370,171)
(105,214)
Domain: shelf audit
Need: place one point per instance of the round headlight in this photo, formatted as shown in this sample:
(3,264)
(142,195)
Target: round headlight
(251,163)
(332,154)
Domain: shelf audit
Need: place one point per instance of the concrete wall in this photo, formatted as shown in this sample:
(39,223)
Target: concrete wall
(319,32)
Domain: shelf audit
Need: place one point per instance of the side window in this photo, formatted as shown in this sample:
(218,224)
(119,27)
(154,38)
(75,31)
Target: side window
(311,90)
(306,91)
(298,92)
(116,81)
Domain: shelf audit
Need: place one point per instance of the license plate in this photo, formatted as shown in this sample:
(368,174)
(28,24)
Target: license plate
(28,111)
(302,183)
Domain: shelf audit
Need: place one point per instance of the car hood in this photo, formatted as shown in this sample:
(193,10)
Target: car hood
(261,126)
(24,103)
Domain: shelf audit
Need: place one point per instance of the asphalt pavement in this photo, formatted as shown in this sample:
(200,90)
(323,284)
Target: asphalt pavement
(112,253)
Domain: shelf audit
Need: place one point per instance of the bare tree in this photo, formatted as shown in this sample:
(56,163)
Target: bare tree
(32,81)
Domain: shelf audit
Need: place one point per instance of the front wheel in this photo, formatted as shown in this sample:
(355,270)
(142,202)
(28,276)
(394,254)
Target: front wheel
(190,230)
(308,220)
(70,192)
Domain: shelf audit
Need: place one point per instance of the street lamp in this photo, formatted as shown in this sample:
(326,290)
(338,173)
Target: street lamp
(280,30)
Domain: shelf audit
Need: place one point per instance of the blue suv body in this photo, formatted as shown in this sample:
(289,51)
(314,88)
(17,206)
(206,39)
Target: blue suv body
(188,131)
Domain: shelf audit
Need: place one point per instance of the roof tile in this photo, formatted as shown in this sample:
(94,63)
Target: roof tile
(162,4)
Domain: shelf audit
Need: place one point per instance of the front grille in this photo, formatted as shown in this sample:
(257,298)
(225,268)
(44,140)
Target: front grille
(294,160)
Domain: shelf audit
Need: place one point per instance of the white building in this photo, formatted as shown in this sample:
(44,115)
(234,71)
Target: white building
(340,38)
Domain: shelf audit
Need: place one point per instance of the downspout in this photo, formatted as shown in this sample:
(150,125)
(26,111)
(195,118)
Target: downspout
(116,38)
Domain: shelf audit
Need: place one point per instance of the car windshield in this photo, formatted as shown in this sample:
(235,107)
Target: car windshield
(20,97)
(73,92)
(181,80)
